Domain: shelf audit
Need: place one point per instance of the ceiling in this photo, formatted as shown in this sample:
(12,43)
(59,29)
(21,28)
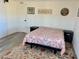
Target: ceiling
(45,0)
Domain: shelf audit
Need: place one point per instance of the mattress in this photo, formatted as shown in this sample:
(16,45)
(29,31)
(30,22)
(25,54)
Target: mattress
(48,37)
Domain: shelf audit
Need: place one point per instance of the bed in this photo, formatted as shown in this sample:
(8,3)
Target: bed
(46,37)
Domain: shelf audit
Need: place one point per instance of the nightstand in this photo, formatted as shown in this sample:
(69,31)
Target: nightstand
(68,35)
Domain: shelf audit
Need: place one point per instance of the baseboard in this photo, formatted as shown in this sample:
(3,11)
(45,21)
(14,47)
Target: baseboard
(3,35)
(11,34)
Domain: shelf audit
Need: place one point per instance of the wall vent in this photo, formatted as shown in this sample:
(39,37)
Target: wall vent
(6,1)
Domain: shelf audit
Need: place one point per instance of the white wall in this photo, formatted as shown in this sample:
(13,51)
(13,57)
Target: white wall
(56,20)
(17,13)
(76,38)
(13,22)
(3,20)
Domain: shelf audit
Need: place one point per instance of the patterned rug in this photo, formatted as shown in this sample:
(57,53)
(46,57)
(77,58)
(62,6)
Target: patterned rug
(37,53)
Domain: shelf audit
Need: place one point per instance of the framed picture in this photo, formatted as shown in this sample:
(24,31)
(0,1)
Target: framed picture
(44,11)
(64,11)
(78,13)
(30,10)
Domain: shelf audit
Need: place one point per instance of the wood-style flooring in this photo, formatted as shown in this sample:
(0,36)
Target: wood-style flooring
(11,41)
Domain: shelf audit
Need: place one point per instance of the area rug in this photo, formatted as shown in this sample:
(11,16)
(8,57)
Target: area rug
(37,53)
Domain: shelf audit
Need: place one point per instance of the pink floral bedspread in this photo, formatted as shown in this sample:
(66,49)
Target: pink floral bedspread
(47,36)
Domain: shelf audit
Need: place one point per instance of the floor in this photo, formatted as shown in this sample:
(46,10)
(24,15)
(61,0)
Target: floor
(11,41)
(10,49)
